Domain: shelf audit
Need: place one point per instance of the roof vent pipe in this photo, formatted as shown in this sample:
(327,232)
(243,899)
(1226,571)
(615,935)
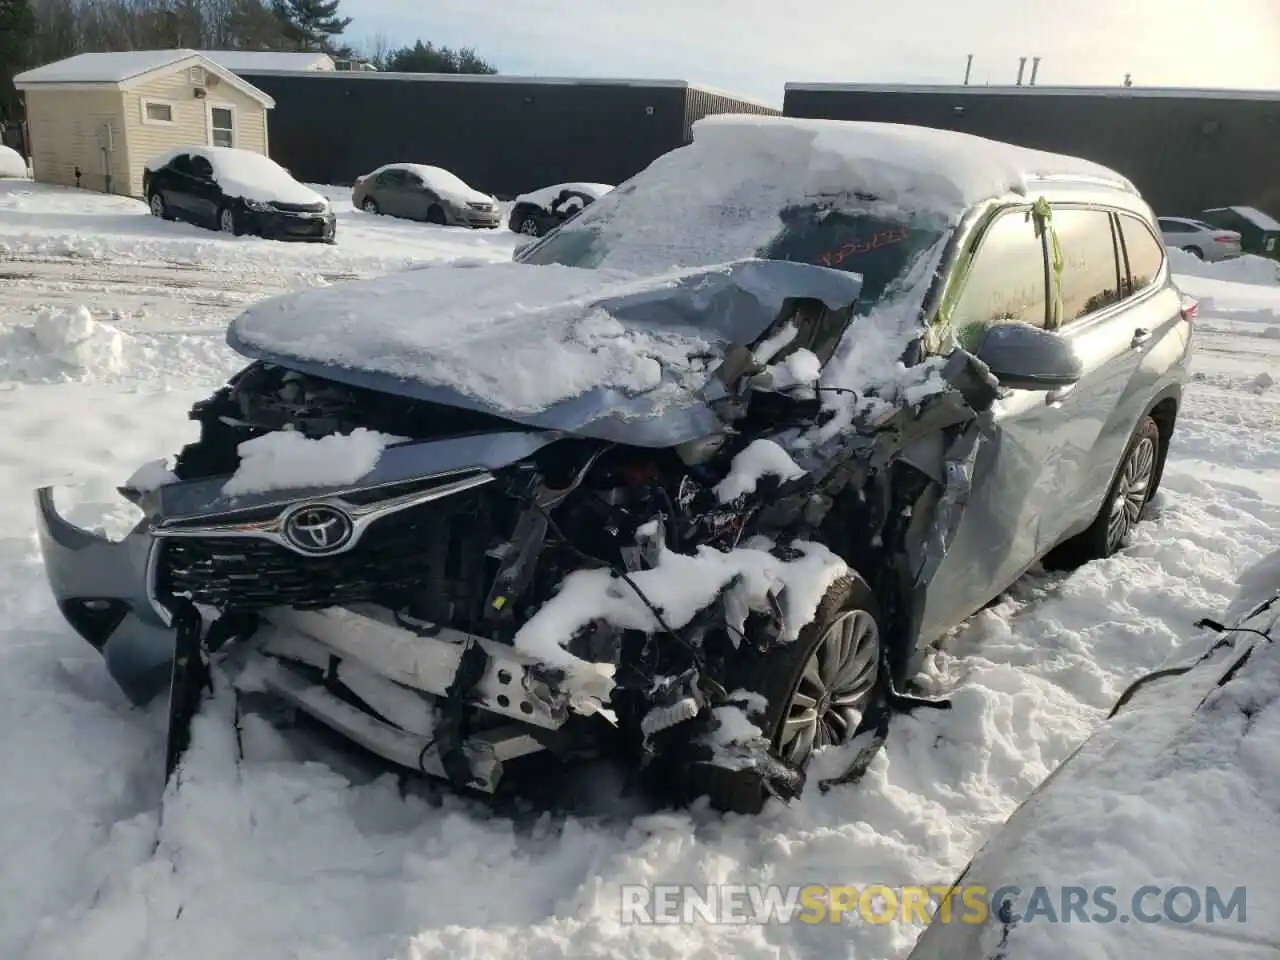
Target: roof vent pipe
(1022,65)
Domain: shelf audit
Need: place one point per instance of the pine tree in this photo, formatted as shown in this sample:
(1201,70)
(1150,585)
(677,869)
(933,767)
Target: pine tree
(312,24)
(17,27)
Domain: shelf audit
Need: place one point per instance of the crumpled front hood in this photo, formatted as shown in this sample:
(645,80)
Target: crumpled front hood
(596,353)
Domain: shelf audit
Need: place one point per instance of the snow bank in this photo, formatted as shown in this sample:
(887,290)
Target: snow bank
(12,164)
(285,459)
(1248,268)
(61,344)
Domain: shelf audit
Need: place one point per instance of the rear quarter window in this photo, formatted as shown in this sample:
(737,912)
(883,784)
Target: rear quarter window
(1144,254)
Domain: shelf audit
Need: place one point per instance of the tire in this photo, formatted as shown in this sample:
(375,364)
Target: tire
(436,215)
(228,222)
(1194,251)
(370,206)
(790,677)
(529,226)
(155,202)
(1124,506)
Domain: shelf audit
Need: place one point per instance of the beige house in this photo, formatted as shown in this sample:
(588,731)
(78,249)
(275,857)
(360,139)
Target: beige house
(106,115)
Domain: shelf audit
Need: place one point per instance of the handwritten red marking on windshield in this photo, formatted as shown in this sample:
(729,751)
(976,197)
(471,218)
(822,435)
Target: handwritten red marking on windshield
(855,248)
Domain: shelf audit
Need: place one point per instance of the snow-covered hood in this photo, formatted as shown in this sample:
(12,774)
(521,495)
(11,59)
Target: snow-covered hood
(599,353)
(1182,787)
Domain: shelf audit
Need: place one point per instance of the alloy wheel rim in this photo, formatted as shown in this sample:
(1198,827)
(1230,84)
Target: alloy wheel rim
(369,206)
(157,205)
(529,227)
(228,222)
(826,706)
(1132,491)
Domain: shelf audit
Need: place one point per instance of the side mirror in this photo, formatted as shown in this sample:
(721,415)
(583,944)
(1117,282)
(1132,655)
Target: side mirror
(1022,357)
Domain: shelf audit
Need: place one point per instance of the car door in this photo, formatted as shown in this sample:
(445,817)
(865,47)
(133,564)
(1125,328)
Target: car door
(176,184)
(1124,343)
(206,196)
(999,534)
(418,197)
(391,192)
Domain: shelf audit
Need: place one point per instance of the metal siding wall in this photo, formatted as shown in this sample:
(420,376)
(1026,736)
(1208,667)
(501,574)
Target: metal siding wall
(503,138)
(1161,143)
(704,103)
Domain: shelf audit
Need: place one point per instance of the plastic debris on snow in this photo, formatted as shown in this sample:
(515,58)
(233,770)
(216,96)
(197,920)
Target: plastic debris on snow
(761,458)
(285,459)
(680,586)
(152,475)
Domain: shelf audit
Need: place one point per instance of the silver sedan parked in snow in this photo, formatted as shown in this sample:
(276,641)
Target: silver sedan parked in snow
(1200,239)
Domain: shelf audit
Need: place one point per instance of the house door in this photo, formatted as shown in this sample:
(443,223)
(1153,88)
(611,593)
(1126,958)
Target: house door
(222,125)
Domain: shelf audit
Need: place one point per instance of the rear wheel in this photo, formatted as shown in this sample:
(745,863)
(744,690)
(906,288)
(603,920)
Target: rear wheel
(1194,251)
(815,690)
(1124,506)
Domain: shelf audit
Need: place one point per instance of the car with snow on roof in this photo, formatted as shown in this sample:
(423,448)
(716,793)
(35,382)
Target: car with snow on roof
(236,192)
(541,211)
(1153,837)
(418,191)
(698,476)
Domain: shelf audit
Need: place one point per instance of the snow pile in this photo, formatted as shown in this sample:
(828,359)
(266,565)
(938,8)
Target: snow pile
(243,173)
(152,475)
(680,585)
(546,195)
(761,458)
(11,164)
(62,344)
(287,460)
(1248,268)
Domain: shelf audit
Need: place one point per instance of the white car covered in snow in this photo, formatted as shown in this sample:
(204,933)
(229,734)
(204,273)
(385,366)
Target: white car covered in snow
(1158,836)
(236,191)
(417,191)
(541,211)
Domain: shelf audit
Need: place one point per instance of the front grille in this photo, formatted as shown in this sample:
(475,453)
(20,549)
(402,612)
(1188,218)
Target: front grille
(481,206)
(430,558)
(299,207)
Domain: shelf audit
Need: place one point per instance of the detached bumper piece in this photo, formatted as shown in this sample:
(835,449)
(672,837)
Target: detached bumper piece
(423,685)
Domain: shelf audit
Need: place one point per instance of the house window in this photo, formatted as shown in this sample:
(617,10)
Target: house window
(154,111)
(222,126)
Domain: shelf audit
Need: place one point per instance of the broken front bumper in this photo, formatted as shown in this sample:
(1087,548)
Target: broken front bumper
(104,589)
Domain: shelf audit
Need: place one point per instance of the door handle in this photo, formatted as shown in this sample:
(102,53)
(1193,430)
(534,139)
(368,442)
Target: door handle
(1140,336)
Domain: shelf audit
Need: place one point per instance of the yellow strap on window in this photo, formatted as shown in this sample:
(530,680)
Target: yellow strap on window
(1042,217)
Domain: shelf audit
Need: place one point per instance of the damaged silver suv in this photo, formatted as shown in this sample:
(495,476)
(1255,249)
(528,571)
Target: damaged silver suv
(694,480)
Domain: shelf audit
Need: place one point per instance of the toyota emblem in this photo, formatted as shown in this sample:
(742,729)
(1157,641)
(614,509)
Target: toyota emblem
(318,529)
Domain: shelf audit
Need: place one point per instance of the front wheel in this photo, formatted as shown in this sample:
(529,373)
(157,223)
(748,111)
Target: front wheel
(227,222)
(370,205)
(815,691)
(529,226)
(436,216)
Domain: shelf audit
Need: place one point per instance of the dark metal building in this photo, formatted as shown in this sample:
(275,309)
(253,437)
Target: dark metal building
(1187,150)
(503,135)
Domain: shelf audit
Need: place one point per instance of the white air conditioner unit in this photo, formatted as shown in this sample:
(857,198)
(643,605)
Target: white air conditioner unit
(197,76)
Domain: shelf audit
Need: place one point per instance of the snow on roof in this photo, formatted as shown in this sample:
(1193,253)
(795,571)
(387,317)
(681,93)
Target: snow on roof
(127,68)
(252,61)
(438,178)
(543,196)
(103,67)
(888,159)
(243,173)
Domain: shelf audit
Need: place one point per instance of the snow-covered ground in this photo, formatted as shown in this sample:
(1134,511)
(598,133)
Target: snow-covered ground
(278,858)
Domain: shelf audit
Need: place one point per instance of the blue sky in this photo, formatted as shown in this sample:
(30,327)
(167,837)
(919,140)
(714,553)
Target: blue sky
(752,47)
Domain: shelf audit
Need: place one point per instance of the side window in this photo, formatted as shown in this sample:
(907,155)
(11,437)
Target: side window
(201,167)
(1175,226)
(1144,254)
(393,178)
(1005,282)
(1090,261)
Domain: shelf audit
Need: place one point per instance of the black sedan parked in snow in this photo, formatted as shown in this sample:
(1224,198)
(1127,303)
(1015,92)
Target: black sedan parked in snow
(541,211)
(236,191)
